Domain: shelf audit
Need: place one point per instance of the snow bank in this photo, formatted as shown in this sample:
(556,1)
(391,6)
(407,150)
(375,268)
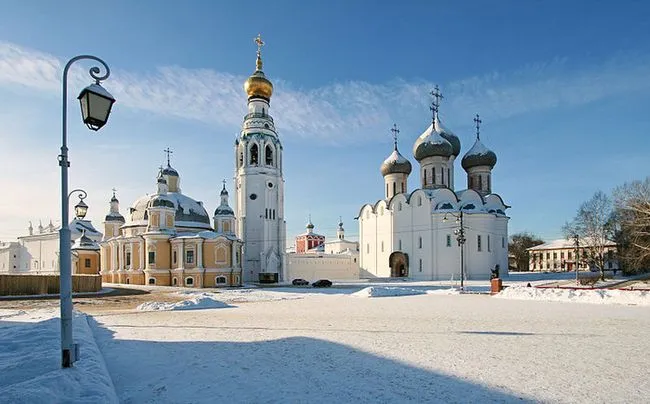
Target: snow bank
(30,361)
(598,296)
(386,291)
(198,302)
(209,300)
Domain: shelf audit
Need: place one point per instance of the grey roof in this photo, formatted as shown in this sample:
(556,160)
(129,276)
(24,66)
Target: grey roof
(114,217)
(188,210)
(479,155)
(223,211)
(395,163)
(169,170)
(162,201)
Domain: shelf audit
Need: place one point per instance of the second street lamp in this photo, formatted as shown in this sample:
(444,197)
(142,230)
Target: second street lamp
(460,237)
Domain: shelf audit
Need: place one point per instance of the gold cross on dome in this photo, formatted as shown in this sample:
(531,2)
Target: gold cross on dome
(259,42)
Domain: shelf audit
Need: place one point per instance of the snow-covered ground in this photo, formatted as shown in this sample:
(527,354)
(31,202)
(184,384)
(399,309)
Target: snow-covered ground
(335,347)
(30,361)
(599,296)
(363,342)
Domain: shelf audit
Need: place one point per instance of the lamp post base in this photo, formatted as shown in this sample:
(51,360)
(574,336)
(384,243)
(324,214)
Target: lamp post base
(69,356)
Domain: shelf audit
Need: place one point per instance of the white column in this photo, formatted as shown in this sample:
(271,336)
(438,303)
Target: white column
(199,254)
(141,264)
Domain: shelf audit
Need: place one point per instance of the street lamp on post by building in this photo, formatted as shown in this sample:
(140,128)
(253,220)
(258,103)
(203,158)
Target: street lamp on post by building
(460,237)
(96,104)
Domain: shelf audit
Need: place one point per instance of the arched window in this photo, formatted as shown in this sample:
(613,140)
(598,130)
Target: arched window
(268,155)
(174,281)
(241,158)
(425,176)
(394,188)
(254,155)
(220,280)
(152,281)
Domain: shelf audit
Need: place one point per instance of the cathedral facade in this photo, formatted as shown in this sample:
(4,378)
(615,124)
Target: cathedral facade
(167,239)
(259,184)
(436,232)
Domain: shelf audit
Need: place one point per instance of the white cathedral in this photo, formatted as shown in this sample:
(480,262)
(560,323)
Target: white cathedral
(436,232)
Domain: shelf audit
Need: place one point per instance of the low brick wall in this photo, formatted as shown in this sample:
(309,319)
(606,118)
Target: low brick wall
(25,284)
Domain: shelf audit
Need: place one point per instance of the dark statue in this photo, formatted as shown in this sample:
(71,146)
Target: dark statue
(495,272)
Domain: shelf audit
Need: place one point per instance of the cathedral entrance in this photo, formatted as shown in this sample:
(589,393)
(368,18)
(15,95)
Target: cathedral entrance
(399,264)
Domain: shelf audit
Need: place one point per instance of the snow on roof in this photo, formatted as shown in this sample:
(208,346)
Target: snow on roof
(564,243)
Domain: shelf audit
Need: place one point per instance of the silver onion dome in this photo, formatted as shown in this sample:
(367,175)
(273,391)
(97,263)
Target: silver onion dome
(431,143)
(395,164)
(479,155)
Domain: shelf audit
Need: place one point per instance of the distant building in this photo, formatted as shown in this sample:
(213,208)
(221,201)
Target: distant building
(309,240)
(38,251)
(334,260)
(559,255)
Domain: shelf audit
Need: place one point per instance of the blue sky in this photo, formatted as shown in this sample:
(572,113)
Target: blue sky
(562,89)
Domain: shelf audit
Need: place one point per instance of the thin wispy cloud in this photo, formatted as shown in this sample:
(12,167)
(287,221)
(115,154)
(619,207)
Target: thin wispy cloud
(345,111)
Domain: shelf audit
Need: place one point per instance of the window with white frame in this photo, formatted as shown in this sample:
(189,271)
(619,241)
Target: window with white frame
(189,257)
(189,281)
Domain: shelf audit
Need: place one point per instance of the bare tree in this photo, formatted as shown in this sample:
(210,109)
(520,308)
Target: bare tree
(632,202)
(518,247)
(594,226)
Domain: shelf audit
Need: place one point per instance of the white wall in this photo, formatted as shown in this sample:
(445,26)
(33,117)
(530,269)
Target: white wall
(9,257)
(325,266)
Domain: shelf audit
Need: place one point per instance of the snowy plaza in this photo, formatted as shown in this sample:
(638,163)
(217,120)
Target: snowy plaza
(391,342)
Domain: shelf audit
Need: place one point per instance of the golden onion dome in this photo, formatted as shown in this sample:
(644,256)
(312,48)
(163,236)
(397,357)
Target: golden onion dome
(257,85)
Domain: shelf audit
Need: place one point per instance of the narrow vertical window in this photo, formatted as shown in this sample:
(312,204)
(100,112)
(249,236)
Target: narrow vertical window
(503,243)
(254,154)
(433,175)
(403,187)
(488,242)
(268,152)
(420,266)
(368,248)
(448,240)
(478,242)
(449,178)
(382,246)
(425,177)
(394,188)
(420,242)
(400,245)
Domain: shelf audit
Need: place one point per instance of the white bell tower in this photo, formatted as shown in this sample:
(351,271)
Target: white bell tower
(259,184)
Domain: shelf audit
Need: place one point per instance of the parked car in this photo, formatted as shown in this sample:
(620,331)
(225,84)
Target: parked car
(299,282)
(322,283)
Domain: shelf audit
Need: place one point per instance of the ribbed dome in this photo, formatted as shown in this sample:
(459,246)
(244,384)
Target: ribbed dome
(396,164)
(479,155)
(223,211)
(161,201)
(431,143)
(114,217)
(189,213)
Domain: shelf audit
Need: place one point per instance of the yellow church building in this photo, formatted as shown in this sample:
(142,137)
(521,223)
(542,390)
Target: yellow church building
(167,240)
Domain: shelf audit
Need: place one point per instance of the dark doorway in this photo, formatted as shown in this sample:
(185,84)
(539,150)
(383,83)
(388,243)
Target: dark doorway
(399,264)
